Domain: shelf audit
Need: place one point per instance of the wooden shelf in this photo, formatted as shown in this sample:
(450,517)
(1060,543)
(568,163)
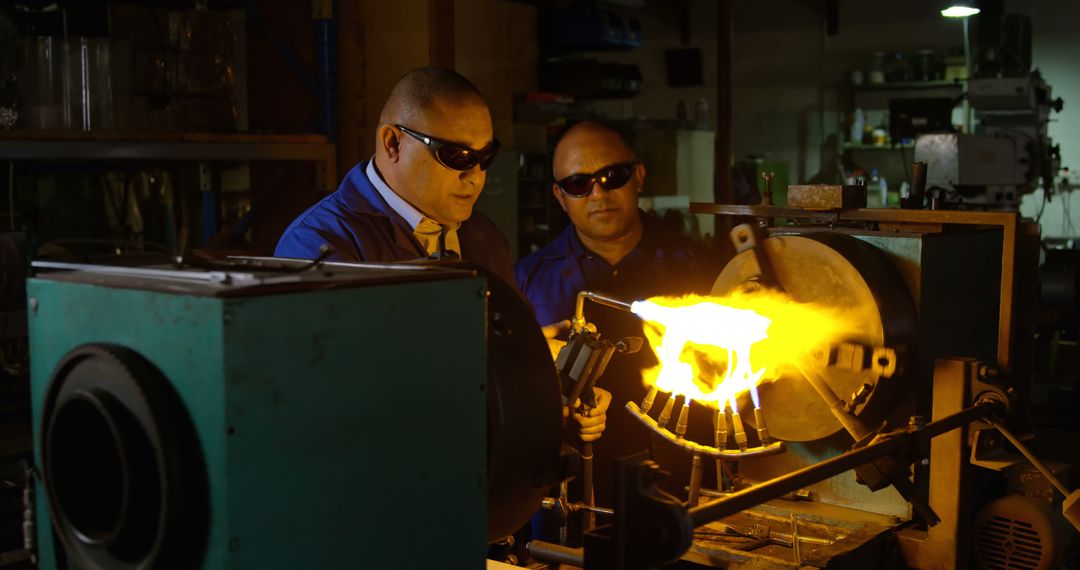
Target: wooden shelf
(78,146)
(55,135)
(874,147)
(908,86)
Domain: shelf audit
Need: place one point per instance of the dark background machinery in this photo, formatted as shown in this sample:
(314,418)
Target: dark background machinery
(1007,152)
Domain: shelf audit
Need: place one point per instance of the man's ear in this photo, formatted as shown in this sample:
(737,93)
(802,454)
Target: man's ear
(390,142)
(559,196)
(639,176)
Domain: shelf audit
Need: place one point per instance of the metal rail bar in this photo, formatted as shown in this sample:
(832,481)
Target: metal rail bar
(600,298)
(811,474)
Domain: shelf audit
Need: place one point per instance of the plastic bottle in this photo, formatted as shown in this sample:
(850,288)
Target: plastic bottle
(701,113)
(857,124)
(892,197)
(878,185)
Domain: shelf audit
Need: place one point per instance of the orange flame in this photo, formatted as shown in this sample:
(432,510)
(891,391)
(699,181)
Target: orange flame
(713,348)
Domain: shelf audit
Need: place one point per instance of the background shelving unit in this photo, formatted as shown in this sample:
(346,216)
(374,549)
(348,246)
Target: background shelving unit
(892,159)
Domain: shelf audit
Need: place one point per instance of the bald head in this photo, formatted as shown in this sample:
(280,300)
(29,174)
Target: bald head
(421,90)
(606,218)
(589,139)
(431,109)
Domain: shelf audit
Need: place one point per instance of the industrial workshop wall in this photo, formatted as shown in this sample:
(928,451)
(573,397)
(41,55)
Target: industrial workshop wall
(1055,52)
(492,42)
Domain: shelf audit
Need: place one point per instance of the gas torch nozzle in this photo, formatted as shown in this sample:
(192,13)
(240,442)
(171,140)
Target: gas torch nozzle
(762,430)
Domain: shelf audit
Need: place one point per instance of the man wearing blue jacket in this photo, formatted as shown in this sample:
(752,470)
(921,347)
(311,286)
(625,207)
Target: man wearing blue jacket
(414,198)
(613,247)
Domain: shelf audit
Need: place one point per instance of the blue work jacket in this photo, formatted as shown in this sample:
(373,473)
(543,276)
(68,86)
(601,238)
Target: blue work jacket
(551,277)
(361,226)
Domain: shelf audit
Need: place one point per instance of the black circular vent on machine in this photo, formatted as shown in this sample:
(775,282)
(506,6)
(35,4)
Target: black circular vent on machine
(523,409)
(122,468)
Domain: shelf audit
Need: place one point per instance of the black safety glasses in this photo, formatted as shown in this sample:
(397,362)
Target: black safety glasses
(453,155)
(610,178)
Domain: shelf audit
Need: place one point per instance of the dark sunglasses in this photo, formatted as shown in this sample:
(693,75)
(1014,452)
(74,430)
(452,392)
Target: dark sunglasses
(610,178)
(453,155)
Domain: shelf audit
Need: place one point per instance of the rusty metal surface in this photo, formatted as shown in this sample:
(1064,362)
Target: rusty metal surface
(838,272)
(829,535)
(826,196)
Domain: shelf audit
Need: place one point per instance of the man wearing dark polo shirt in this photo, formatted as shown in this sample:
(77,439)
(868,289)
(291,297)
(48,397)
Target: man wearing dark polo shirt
(613,247)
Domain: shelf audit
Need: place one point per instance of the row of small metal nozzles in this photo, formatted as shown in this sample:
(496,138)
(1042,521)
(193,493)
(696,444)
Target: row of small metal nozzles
(721,421)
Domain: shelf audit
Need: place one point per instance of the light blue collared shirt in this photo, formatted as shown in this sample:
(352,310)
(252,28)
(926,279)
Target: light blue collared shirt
(404,209)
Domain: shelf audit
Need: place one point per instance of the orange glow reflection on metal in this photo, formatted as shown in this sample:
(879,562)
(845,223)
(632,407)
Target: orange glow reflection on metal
(713,348)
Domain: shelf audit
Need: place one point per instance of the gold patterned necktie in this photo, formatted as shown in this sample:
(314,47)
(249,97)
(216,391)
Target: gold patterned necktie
(438,241)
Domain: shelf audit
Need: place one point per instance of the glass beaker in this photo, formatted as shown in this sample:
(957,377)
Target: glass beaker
(91,84)
(44,83)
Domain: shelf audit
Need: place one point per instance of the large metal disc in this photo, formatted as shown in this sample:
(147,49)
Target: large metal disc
(838,271)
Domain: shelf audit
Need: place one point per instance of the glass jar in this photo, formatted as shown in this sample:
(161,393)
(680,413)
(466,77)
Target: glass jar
(877,68)
(896,68)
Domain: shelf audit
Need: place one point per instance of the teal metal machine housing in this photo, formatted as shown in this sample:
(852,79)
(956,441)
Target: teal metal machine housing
(331,418)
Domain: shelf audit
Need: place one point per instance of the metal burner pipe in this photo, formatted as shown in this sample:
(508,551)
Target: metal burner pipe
(549,552)
(600,298)
(588,492)
(811,474)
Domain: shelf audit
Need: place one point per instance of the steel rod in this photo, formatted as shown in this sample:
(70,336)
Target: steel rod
(588,493)
(796,549)
(564,495)
(851,422)
(696,468)
(578,321)
(597,510)
(811,474)
(549,552)
(1034,460)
